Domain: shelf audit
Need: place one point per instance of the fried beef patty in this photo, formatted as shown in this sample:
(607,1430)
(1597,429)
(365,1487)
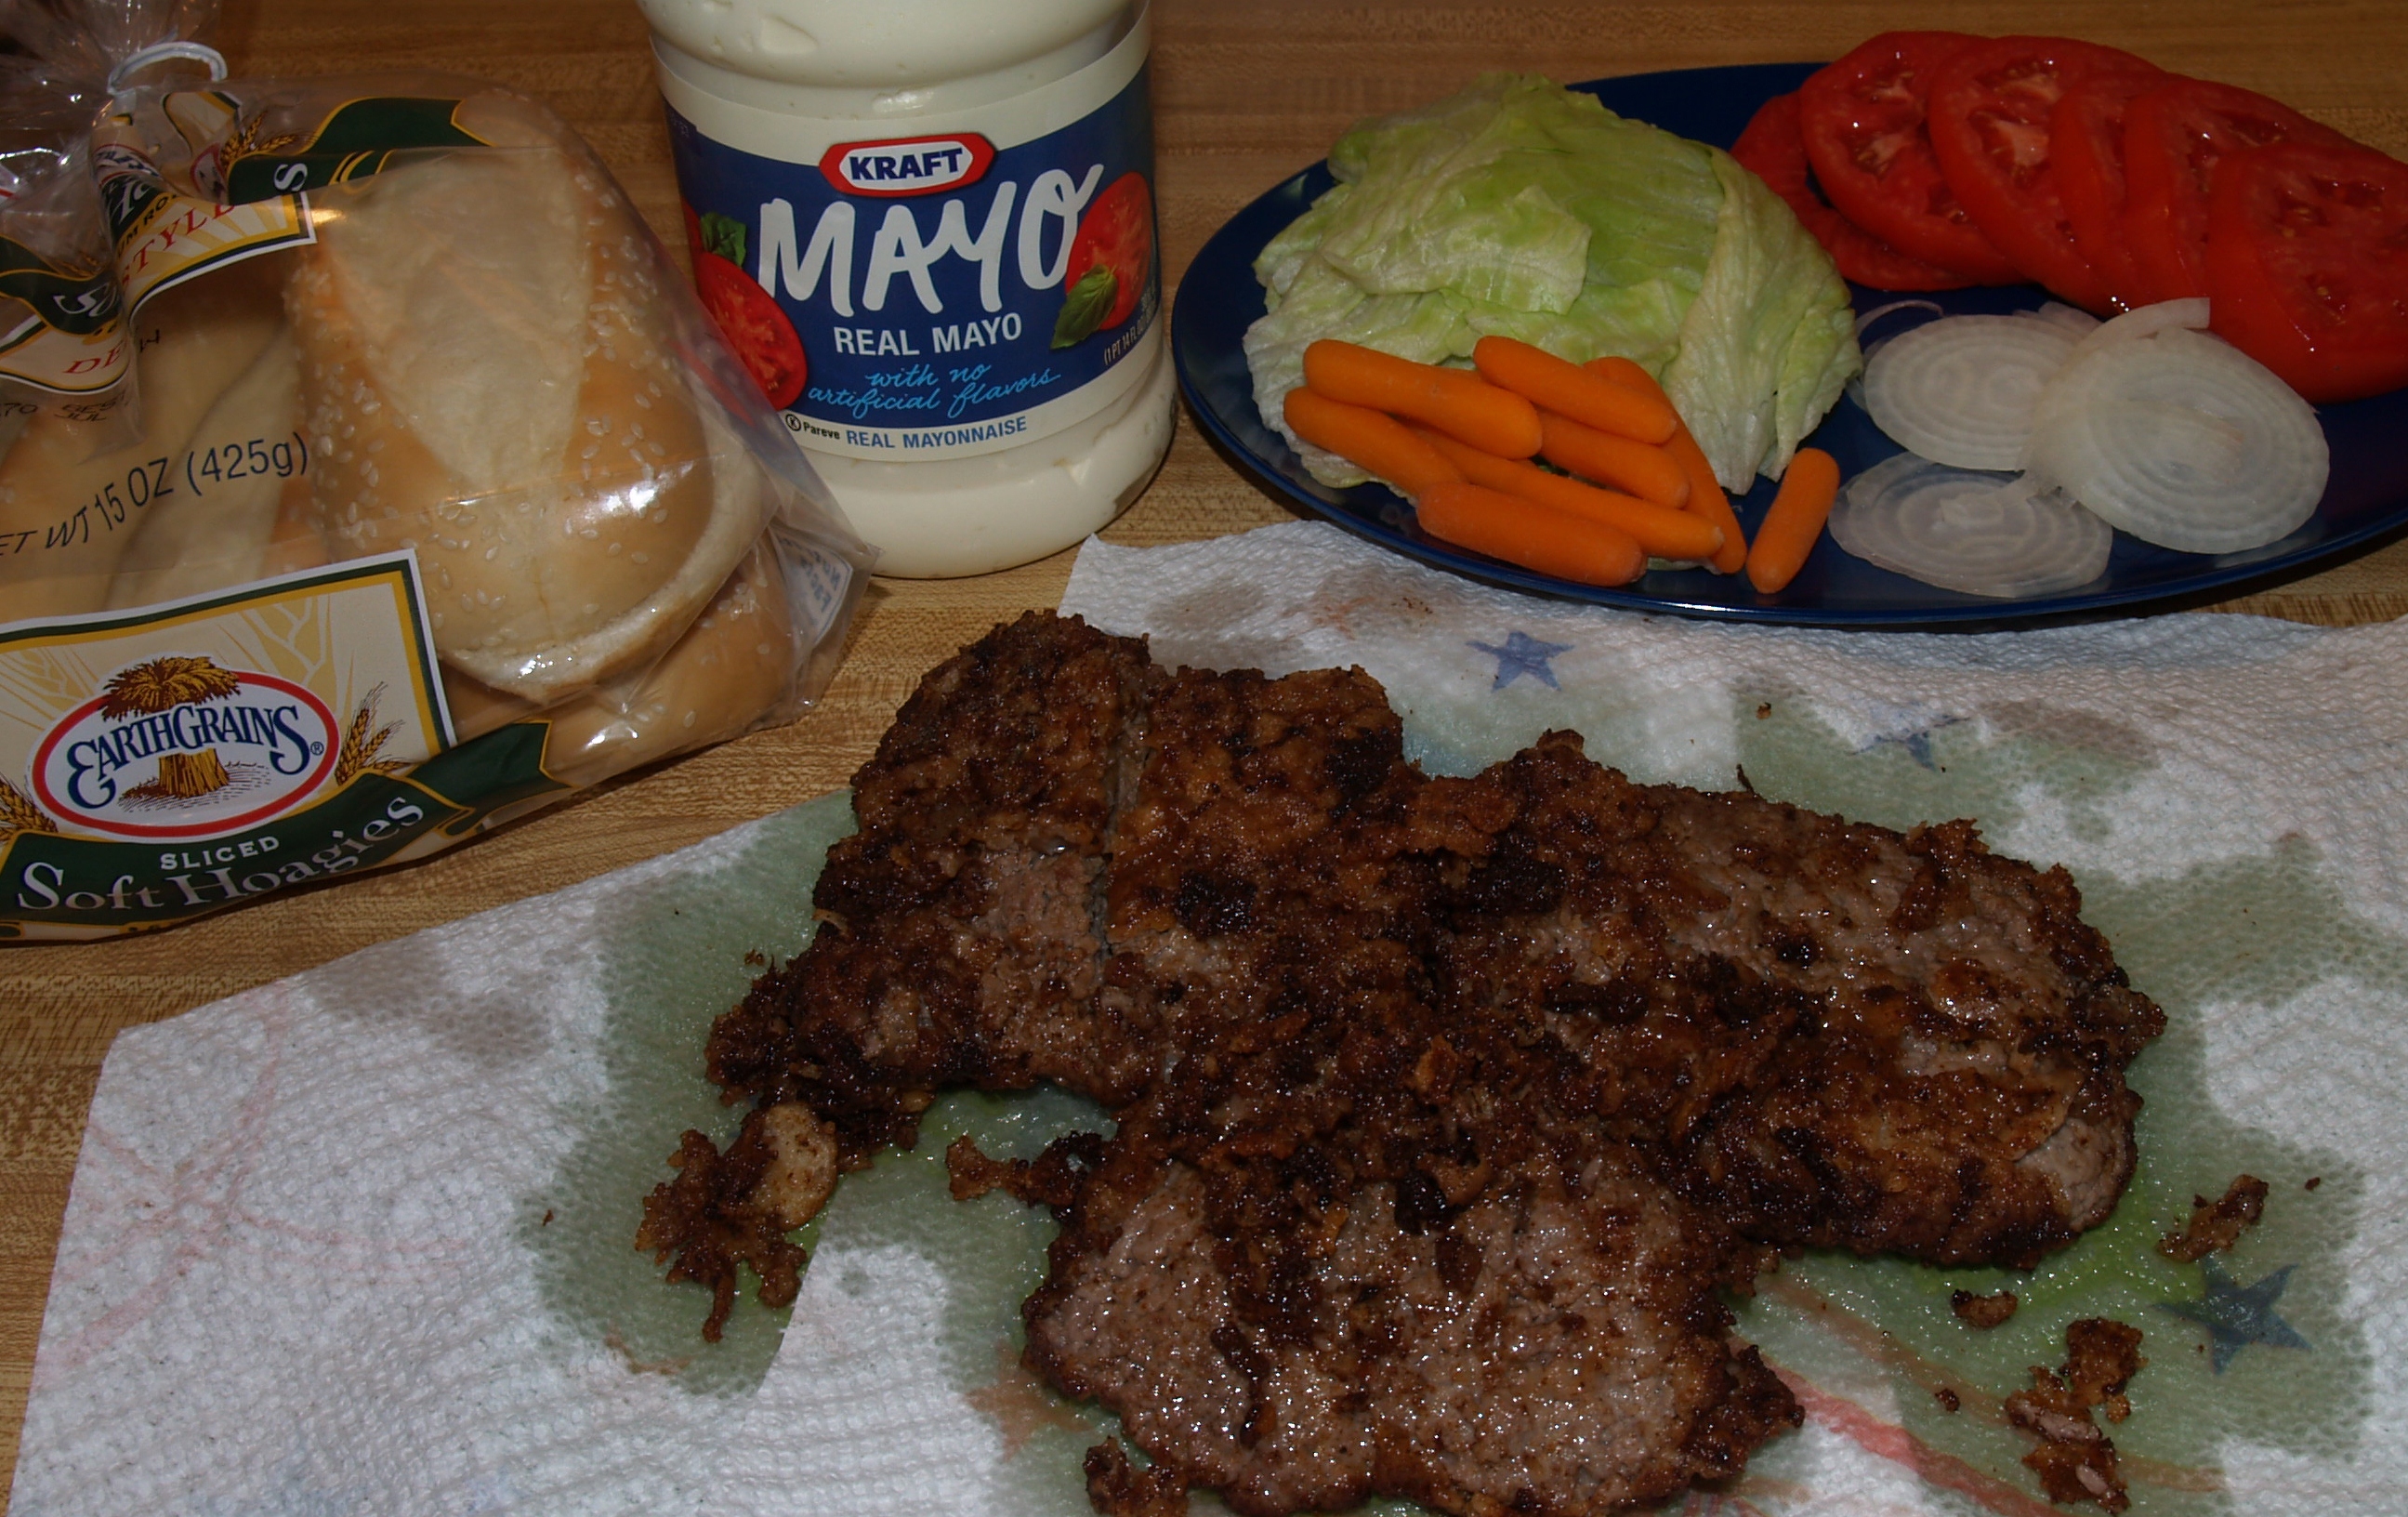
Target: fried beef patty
(1446,1105)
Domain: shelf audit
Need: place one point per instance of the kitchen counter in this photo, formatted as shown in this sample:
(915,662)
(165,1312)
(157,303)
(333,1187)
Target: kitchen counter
(1246,93)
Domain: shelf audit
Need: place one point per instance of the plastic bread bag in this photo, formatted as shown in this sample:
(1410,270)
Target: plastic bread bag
(63,348)
(447,499)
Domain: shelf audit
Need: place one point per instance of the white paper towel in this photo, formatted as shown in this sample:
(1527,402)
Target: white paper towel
(356,1242)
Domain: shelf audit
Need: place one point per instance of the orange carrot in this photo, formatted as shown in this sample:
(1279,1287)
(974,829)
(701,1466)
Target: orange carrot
(1521,532)
(1624,372)
(1456,402)
(1662,530)
(1635,468)
(1795,522)
(1562,386)
(1375,440)
(1706,497)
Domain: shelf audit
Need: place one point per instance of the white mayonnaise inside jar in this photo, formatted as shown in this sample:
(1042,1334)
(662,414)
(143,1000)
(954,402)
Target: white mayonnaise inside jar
(927,227)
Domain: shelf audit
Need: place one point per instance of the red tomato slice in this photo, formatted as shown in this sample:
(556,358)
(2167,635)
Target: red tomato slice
(1773,151)
(2086,154)
(1863,118)
(753,325)
(1117,233)
(2173,137)
(1990,110)
(2307,265)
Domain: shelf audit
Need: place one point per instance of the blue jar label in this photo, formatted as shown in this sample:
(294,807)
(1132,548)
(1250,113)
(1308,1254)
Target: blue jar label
(937,294)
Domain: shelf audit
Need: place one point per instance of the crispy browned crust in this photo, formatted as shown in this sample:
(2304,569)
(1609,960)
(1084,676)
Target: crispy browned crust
(959,942)
(2216,1225)
(1828,1032)
(706,1221)
(1983,1311)
(1446,1107)
(2074,1460)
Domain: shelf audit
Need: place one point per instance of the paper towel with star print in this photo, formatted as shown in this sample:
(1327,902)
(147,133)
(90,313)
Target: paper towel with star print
(358,1242)
(2230,793)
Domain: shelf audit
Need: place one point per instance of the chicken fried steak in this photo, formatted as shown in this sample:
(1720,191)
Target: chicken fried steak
(1824,1033)
(1446,1107)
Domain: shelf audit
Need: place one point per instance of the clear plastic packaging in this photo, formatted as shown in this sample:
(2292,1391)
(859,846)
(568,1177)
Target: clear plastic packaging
(439,497)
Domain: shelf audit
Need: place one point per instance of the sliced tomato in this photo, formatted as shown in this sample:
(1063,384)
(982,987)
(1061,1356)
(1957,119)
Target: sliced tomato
(1116,234)
(1990,110)
(1774,149)
(2173,137)
(2085,153)
(753,325)
(2307,264)
(1863,120)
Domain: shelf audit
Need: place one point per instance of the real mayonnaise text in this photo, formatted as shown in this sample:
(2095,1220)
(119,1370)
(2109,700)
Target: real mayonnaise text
(928,226)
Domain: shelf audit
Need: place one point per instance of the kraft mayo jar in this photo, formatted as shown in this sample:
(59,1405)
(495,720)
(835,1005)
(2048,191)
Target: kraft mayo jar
(928,226)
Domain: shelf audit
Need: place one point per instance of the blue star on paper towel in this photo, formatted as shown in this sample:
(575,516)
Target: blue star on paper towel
(1910,727)
(1523,654)
(2237,1315)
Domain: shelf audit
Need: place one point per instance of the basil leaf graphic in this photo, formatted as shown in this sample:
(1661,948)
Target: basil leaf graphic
(723,236)
(1085,307)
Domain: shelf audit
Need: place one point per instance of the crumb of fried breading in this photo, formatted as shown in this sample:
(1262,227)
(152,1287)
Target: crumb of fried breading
(1050,1179)
(2215,1225)
(2075,1461)
(2071,1472)
(1119,1488)
(2102,1355)
(1983,1311)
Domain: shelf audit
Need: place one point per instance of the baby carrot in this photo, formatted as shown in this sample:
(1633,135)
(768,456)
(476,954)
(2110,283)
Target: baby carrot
(1624,372)
(1521,532)
(1663,532)
(1706,497)
(1377,441)
(1795,520)
(1456,402)
(1562,386)
(1635,468)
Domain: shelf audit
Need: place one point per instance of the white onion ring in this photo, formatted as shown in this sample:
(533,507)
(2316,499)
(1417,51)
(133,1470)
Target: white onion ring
(1869,318)
(1865,350)
(1961,529)
(2180,440)
(2073,317)
(2144,321)
(1961,390)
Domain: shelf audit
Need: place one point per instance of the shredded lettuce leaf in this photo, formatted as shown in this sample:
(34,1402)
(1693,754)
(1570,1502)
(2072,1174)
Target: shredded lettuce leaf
(1521,208)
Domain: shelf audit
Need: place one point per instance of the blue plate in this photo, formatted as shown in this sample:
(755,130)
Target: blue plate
(2367,499)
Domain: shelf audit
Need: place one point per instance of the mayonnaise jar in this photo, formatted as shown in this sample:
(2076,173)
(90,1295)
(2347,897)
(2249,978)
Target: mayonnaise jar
(928,226)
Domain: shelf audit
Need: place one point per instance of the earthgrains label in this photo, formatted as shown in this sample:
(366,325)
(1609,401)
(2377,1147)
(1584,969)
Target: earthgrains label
(165,763)
(966,284)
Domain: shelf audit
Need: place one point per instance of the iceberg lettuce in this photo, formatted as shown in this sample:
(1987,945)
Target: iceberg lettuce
(1521,208)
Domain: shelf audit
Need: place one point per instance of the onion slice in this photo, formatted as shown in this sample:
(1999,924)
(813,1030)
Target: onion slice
(2180,439)
(1961,529)
(2073,317)
(1962,389)
(2144,321)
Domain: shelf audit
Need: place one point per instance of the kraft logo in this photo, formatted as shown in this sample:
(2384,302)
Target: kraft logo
(908,165)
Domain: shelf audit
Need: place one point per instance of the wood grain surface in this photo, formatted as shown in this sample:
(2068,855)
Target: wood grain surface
(1247,92)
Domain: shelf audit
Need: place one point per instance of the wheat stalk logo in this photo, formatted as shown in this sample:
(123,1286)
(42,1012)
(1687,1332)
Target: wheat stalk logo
(162,685)
(18,813)
(363,741)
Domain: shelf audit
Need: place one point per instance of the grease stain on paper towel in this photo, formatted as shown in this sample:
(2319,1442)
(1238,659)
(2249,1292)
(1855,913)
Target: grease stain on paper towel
(2269,932)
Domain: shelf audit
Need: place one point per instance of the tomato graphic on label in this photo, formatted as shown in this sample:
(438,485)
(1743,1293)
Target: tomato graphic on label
(1110,259)
(745,314)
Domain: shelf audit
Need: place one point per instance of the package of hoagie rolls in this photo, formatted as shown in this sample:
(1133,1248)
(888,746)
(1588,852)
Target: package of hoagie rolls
(436,498)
